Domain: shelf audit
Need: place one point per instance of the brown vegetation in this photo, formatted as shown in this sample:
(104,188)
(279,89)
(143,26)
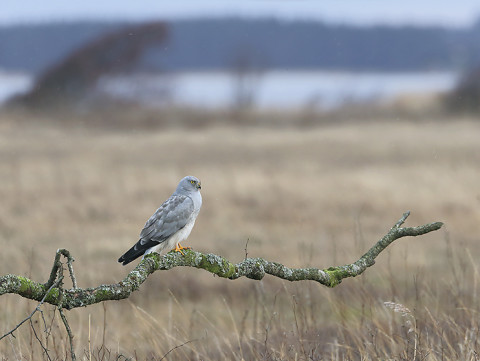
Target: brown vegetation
(315,196)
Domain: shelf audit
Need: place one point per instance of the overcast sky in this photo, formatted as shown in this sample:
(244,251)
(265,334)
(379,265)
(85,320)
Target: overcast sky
(458,13)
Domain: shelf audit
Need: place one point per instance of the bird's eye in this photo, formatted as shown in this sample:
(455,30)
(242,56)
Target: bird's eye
(192,181)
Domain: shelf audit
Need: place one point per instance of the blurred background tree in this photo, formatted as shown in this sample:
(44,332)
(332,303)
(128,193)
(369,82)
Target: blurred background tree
(465,97)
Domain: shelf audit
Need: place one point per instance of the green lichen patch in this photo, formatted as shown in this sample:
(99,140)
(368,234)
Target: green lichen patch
(335,275)
(155,258)
(191,257)
(217,265)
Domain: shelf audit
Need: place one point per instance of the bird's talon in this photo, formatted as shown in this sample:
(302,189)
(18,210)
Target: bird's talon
(179,247)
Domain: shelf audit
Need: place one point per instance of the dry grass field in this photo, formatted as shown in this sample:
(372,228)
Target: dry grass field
(312,196)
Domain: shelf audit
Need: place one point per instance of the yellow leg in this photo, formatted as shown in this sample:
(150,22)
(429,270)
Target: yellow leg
(179,247)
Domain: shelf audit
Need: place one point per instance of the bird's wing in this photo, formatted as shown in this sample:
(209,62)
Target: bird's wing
(171,217)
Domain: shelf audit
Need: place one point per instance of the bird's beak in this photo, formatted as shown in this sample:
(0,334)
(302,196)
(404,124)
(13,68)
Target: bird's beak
(199,185)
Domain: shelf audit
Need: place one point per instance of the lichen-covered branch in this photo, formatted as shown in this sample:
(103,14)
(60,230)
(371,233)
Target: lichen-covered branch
(29,318)
(254,268)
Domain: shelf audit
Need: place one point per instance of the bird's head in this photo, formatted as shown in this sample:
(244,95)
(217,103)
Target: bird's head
(189,184)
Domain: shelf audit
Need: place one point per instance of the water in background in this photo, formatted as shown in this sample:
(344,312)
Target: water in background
(13,83)
(273,89)
(276,89)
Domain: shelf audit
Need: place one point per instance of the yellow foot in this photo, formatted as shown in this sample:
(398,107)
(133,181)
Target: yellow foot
(179,247)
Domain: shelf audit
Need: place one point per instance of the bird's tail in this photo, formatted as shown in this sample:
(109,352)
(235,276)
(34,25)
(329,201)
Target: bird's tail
(131,255)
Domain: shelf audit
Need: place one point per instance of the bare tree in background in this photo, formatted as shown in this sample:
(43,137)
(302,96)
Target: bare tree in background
(75,77)
(466,95)
(247,71)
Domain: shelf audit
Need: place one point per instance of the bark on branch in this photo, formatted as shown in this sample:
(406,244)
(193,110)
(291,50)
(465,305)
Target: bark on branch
(254,268)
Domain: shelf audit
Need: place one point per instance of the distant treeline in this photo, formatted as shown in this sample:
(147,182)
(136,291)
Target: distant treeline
(226,44)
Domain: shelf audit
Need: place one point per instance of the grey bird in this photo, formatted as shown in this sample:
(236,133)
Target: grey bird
(171,223)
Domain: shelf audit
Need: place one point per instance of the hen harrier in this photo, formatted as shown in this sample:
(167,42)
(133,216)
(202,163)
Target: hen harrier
(171,223)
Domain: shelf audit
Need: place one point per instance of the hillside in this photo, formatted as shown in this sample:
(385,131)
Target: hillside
(261,43)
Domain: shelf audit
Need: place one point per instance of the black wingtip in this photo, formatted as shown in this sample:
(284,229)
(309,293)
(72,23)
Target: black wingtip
(124,261)
(133,253)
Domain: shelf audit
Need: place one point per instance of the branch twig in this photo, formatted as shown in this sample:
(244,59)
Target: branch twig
(40,341)
(174,348)
(57,265)
(69,333)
